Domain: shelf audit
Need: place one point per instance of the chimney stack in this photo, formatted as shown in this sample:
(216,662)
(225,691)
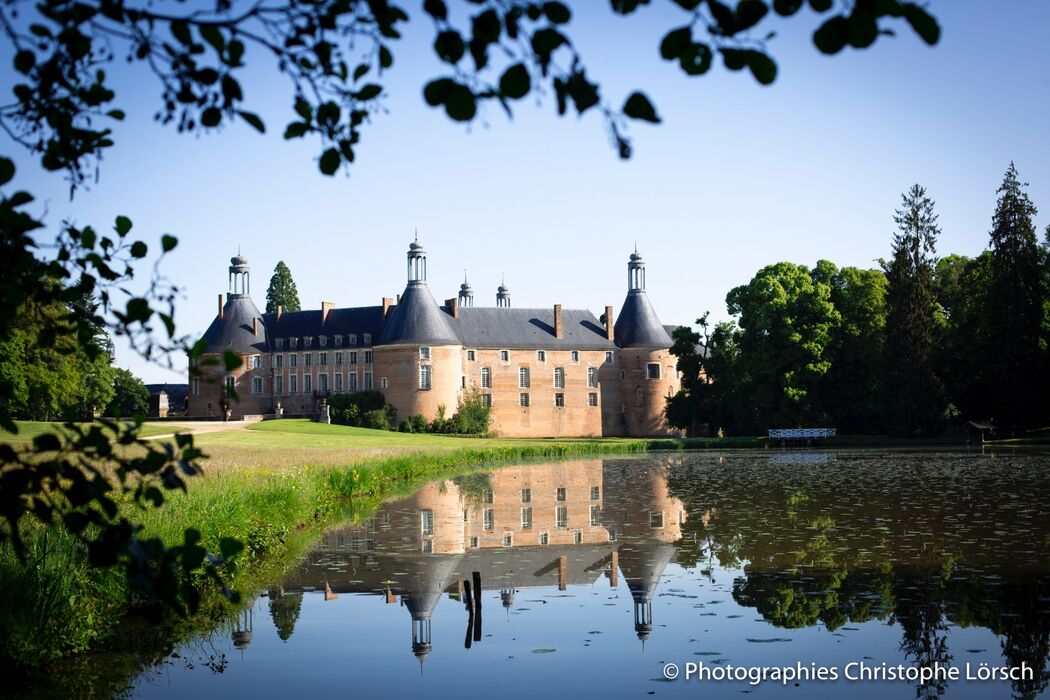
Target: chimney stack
(387,303)
(280,311)
(326,306)
(220,306)
(609,332)
(559,330)
(453,306)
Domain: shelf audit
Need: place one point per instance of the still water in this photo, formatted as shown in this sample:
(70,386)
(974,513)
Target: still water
(595,574)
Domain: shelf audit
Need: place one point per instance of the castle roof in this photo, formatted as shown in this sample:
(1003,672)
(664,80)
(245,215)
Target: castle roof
(233,331)
(417,320)
(529,328)
(312,323)
(638,325)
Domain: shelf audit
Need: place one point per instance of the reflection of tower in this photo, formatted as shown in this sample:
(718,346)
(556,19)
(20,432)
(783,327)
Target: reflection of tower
(647,520)
(506,596)
(242,628)
(426,577)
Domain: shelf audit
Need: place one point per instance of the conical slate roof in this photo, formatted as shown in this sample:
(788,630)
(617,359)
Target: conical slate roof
(417,320)
(233,332)
(638,326)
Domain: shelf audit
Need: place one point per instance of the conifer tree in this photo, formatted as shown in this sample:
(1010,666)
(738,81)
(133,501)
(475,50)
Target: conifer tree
(282,291)
(914,395)
(1014,306)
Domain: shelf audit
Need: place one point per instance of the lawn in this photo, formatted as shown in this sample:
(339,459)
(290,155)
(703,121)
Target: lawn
(27,430)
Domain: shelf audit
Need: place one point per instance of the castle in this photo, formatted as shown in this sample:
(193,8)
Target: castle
(545,372)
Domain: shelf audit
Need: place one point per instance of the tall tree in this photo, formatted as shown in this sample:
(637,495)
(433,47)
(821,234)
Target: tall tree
(852,389)
(786,319)
(961,288)
(913,394)
(1015,305)
(282,291)
(130,396)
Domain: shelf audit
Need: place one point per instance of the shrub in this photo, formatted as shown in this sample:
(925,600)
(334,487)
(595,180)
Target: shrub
(352,409)
(414,424)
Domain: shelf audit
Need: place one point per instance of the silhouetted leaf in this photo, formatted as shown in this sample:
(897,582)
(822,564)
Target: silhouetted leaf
(449,46)
(329,162)
(762,67)
(122,226)
(696,59)
(211,117)
(7,170)
(675,42)
(923,23)
(786,8)
(460,104)
(139,249)
(557,12)
(831,36)
(638,106)
(820,5)
(515,82)
(168,242)
(254,120)
(436,9)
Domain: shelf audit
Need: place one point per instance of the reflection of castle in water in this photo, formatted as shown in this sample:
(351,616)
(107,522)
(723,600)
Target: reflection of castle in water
(536,525)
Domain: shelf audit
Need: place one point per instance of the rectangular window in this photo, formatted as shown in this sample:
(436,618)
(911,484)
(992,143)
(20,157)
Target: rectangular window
(307,379)
(339,382)
(322,384)
(424,353)
(471,355)
(368,357)
(196,386)
(656,519)
(559,377)
(508,539)
(488,496)
(486,378)
(368,381)
(278,384)
(352,357)
(523,377)
(623,374)
(523,400)
(596,493)
(256,385)
(308,359)
(574,356)
(577,537)
(545,538)
(323,359)
(561,516)
(608,356)
(351,381)
(559,400)
(486,399)
(489,519)
(526,518)
(592,399)
(293,360)
(339,357)
(592,377)
(426,522)
(278,361)
(230,385)
(256,362)
(473,542)
(526,495)
(424,377)
(560,494)
(280,343)
(541,356)
(652,370)
(384,383)
(596,516)
(466,516)
(293,384)
(504,355)
(428,546)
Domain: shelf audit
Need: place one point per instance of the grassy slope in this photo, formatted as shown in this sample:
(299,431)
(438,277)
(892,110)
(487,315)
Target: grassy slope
(27,430)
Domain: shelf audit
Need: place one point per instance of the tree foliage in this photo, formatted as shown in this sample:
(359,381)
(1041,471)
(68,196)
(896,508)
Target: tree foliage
(130,396)
(1016,302)
(281,291)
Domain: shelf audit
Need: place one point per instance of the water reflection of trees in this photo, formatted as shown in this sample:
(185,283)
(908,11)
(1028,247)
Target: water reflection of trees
(953,539)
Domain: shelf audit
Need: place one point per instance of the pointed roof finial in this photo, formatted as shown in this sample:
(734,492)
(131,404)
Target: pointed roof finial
(417,234)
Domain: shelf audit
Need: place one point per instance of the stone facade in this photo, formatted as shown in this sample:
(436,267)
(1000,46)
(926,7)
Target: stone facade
(545,372)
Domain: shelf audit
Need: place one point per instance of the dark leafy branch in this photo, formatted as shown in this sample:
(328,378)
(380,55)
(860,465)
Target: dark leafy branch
(334,54)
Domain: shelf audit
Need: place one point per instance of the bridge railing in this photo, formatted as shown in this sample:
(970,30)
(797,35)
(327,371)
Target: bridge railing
(801,433)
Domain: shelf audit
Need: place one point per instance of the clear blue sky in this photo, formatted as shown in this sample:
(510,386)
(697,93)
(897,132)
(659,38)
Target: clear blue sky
(738,176)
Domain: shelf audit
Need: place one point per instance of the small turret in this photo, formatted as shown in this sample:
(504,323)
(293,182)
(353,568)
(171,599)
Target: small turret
(239,275)
(503,295)
(466,293)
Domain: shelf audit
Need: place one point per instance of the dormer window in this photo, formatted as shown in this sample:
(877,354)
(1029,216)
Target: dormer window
(368,338)
(323,341)
(307,342)
(353,339)
(293,343)
(339,341)
(280,343)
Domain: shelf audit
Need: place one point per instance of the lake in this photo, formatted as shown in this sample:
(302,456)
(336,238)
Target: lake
(768,573)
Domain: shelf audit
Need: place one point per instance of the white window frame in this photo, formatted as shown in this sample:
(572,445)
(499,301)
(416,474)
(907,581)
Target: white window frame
(526,518)
(426,522)
(656,519)
(323,341)
(368,381)
(425,377)
(592,399)
(424,352)
(486,377)
(541,356)
(559,378)
(504,355)
(523,377)
(561,517)
(472,355)
(559,399)
(257,387)
(351,381)
(523,399)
